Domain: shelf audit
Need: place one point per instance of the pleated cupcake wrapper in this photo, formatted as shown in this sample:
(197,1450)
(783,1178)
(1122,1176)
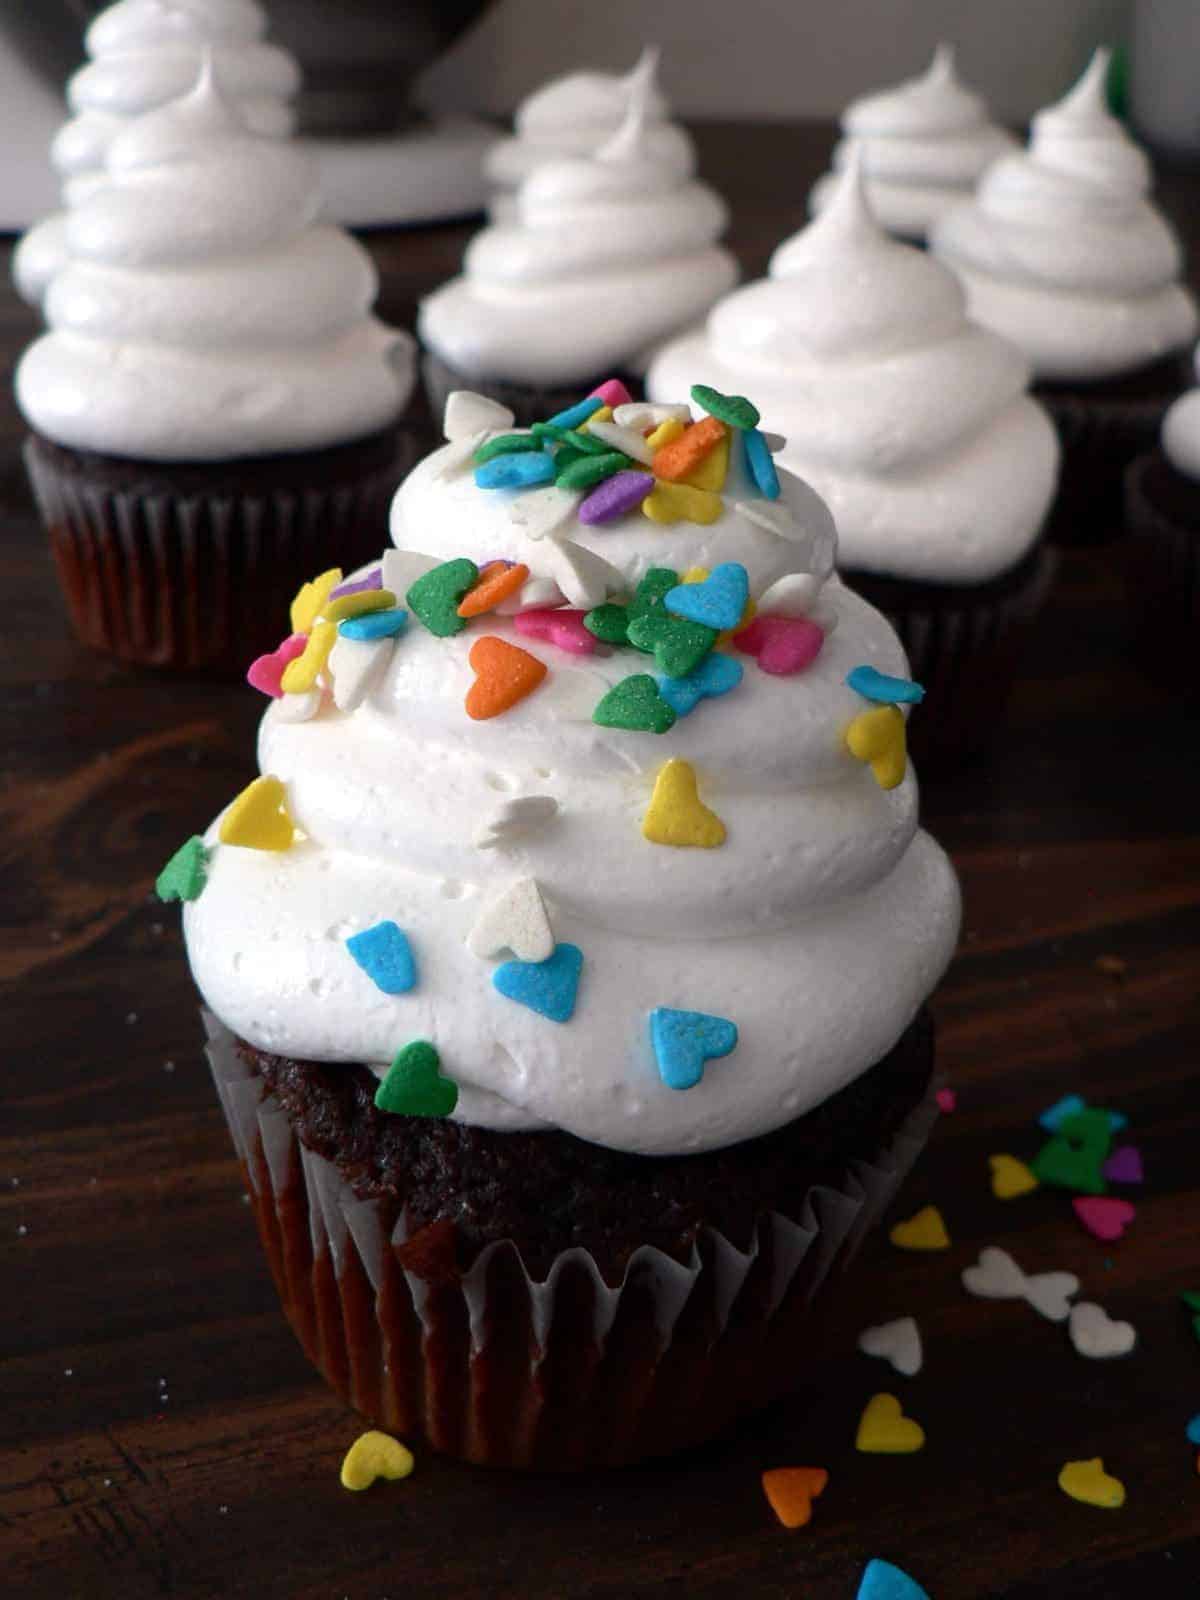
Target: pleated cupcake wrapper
(201,582)
(563,1372)
(1099,440)
(1162,575)
(965,653)
(529,403)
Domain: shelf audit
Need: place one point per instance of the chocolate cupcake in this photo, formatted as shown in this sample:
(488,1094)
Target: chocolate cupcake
(569,1026)
(1062,252)
(214,409)
(917,428)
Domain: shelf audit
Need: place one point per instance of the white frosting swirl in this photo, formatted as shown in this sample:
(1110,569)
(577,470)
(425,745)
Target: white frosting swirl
(923,146)
(1062,252)
(819,927)
(144,53)
(1181,431)
(574,115)
(609,256)
(911,422)
(201,314)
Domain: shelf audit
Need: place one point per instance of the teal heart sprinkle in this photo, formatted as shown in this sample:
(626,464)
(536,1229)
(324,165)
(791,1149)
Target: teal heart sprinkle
(385,955)
(684,1040)
(716,675)
(718,602)
(548,987)
(883,1581)
(881,687)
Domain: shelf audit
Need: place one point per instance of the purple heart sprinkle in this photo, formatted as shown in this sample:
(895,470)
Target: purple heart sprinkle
(373,580)
(1124,1165)
(623,492)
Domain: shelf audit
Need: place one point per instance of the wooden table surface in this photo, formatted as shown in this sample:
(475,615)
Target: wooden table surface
(160,1431)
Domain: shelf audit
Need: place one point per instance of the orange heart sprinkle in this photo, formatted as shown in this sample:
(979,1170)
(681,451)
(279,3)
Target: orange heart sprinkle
(790,1492)
(496,582)
(683,456)
(504,674)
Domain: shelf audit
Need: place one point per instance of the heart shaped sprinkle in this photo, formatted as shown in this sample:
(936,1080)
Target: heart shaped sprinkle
(387,624)
(1074,1157)
(467,413)
(616,497)
(790,1492)
(585,578)
(414,1087)
(883,1429)
(1087,1482)
(668,430)
(548,987)
(882,688)
(497,581)
(374,1455)
(947,1100)
(1010,1177)
(733,409)
(676,815)
(627,440)
(782,646)
(358,603)
(878,738)
(610,623)
(713,471)
(645,415)
(563,627)
(883,1581)
(574,416)
(184,875)
(1054,1116)
(506,444)
(586,471)
(684,1040)
(1124,1165)
(265,672)
(897,1342)
(924,1231)
(385,955)
(504,675)
(519,471)
(793,595)
(1104,1216)
(301,674)
(676,461)
(716,675)
(357,665)
(613,392)
(545,513)
(996,1276)
(311,598)
(1098,1336)
(678,646)
(516,920)
(435,596)
(669,503)
(759,467)
(635,703)
(1192,1431)
(718,602)
(402,568)
(258,818)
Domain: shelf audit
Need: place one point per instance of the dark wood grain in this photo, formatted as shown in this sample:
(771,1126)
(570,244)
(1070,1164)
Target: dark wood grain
(161,1433)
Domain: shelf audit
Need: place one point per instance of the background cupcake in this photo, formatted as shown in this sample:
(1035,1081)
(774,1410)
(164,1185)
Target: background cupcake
(214,408)
(579,1199)
(915,425)
(1062,252)
(923,145)
(609,255)
(574,115)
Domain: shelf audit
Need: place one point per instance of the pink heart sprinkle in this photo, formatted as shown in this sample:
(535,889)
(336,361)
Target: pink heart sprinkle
(265,672)
(783,645)
(947,1099)
(1124,1165)
(561,627)
(613,392)
(1103,1216)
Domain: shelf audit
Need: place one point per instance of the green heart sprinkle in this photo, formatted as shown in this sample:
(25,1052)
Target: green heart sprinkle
(635,703)
(1074,1158)
(414,1087)
(435,596)
(733,409)
(1190,1298)
(591,470)
(184,875)
(678,646)
(571,439)
(505,444)
(610,622)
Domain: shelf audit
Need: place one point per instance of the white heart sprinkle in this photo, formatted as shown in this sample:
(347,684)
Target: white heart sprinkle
(544,513)
(586,579)
(298,707)
(627,440)
(468,413)
(898,1342)
(515,921)
(643,414)
(402,568)
(1097,1335)
(1050,1293)
(792,595)
(458,455)
(996,1276)
(522,814)
(534,592)
(356,666)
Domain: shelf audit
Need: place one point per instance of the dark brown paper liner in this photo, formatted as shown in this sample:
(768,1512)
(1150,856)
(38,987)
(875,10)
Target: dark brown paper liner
(193,567)
(964,646)
(529,403)
(1163,573)
(565,1373)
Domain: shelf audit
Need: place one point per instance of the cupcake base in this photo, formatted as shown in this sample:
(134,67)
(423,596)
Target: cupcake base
(963,645)
(591,1357)
(1162,510)
(192,565)
(529,403)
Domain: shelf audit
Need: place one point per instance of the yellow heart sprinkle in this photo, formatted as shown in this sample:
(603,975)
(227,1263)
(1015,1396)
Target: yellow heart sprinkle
(356,605)
(877,736)
(666,433)
(258,819)
(1010,1177)
(302,673)
(884,1430)
(1088,1481)
(694,575)
(374,1455)
(676,815)
(603,415)
(679,502)
(713,470)
(311,598)
(925,1231)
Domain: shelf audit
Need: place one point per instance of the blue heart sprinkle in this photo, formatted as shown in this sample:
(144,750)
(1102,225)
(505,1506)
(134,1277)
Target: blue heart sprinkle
(374,624)
(759,464)
(574,415)
(385,955)
(1193,1430)
(716,675)
(521,470)
(548,987)
(1070,1106)
(883,1581)
(684,1040)
(879,686)
(718,602)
